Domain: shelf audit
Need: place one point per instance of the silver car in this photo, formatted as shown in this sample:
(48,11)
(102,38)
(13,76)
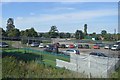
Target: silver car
(71,51)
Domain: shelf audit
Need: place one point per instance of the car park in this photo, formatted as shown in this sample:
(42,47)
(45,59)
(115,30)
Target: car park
(34,44)
(98,54)
(115,47)
(3,44)
(71,51)
(96,47)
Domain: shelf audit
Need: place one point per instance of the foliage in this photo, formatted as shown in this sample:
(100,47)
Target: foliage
(3,32)
(64,35)
(20,69)
(79,34)
(13,32)
(85,29)
(29,33)
(10,24)
(53,33)
(103,32)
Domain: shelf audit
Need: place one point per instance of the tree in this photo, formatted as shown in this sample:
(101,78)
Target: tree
(85,29)
(53,32)
(103,32)
(68,35)
(10,24)
(13,33)
(62,35)
(2,32)
(79,34)
(29,33)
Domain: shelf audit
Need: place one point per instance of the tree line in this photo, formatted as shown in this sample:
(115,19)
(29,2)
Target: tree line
(11,31)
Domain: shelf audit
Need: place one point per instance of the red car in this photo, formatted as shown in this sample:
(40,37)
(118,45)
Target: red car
(71,46)
(96,47)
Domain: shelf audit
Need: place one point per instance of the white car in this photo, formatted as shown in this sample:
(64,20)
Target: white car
(115,47)
(67,45)
(41,45)
(3,44)
(71,51)
(34,44)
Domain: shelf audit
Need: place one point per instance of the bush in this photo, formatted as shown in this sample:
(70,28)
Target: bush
(12,68)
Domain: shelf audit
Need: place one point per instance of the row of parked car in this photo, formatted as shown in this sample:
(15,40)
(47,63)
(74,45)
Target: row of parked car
(112,46)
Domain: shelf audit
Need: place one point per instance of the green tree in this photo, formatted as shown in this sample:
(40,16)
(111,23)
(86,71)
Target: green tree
(85,29)
(68,35)
(62,35)
(29,33)
(53,32)
(2,32)
(13,33)
(10,24)
(103,32)
(79,34)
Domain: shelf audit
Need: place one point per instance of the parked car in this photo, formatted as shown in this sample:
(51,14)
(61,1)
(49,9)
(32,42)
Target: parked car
(35,44)
(71,51)
(80,46)
(42,45)
(99,54)
(71,46)
(96,47)
(3,44)
(49,49)
(62,46)
(86,46)
(109,46)
(67,45)
(115,47)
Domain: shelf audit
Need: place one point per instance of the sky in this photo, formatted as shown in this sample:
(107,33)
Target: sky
(66,16)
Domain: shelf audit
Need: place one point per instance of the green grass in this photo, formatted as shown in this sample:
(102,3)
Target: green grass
(48,58)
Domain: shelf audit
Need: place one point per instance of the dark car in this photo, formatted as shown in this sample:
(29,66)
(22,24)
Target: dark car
(62,46)
(80,46)
(3,44)
(99,54)
(49,49)
(86,46)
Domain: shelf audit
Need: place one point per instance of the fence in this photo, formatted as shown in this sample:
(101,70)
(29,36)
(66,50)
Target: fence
(92,66)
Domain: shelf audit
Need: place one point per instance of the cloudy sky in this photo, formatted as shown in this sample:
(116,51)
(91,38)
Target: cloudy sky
(67,16)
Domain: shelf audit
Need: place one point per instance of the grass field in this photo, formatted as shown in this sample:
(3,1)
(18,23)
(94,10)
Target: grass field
(48,58)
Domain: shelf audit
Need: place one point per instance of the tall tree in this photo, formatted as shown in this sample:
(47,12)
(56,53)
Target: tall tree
(2,32)
(53,32)
(13,33)
(68,35)
(79,34)
(85,29)
(29,33)
(103,32)
(10,24)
